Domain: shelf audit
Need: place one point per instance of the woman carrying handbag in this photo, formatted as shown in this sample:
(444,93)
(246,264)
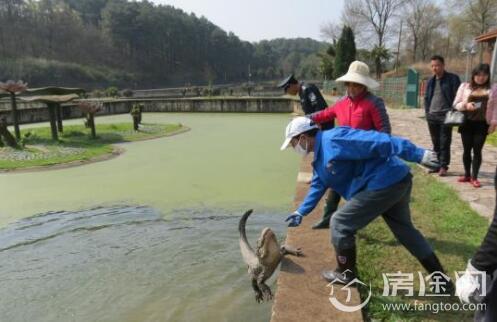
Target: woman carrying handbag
(478,100)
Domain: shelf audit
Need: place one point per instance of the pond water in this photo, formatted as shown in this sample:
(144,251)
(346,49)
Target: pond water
(150,235)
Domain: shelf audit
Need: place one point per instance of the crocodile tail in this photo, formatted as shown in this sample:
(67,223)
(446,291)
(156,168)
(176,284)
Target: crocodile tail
(246,249)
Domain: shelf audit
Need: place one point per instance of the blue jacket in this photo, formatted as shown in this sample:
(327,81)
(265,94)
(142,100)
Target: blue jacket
(350,160)
(449,83)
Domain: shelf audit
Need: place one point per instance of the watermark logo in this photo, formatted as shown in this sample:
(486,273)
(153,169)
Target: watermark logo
(338,286)
(436,284)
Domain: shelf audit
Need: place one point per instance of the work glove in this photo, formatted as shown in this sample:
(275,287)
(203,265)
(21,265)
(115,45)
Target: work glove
(295,219)
(469,286)
(430,160)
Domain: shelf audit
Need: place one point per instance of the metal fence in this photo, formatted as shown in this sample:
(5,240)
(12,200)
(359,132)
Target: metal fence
(391,89)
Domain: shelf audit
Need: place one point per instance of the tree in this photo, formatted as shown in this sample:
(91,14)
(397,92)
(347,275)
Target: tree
(96,43)
(423,18)
(373,16)
(89,10)
(345,51)
(478,16)
(327,65)
(331,31)
(309,67)
(380,54)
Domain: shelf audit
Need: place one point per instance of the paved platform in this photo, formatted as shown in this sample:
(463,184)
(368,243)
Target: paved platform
(301,293)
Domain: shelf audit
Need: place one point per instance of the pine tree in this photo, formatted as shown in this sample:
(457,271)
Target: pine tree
(345,51)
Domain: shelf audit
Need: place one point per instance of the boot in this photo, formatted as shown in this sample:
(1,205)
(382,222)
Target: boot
(346,270)
(330,207)
(432,265)
(324,222)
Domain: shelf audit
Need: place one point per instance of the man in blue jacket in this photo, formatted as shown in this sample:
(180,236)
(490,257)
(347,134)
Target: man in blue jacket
(439,96)
(364,167)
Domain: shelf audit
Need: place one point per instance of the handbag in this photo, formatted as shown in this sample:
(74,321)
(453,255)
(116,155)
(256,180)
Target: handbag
(454,118)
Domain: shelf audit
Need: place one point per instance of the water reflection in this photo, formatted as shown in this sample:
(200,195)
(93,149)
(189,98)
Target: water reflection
(129,263)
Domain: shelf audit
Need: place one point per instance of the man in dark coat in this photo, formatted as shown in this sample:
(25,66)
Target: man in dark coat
(441,90)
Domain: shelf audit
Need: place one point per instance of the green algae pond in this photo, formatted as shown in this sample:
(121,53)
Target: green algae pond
(152,234)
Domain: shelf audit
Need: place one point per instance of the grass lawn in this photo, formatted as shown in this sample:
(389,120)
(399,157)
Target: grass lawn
(76,143)
(451,227)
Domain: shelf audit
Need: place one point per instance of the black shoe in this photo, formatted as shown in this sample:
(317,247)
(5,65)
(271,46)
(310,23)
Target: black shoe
(323,223)
(339,277)
(345,271)
(438,276)
(434,170)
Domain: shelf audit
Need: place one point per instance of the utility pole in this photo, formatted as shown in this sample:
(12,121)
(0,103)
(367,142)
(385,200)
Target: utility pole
(397,62)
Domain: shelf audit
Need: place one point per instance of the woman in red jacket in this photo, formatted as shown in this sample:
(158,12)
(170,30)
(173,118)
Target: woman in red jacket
(359,109)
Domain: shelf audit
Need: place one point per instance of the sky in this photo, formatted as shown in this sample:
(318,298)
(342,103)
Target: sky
(265,19)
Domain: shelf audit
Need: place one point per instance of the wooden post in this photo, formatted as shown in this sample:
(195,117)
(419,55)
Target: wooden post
(91,121)
(58,110)
(15,115)
(53,122)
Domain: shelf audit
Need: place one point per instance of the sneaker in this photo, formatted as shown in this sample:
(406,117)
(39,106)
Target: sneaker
(464,179)
(442,172)
(433,170)
(475,183)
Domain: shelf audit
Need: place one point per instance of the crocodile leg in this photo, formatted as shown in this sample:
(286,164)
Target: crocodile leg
(266,291)
(289,250)
(257,290)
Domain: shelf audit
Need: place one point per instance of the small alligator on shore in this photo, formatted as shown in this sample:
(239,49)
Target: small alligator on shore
(264,260)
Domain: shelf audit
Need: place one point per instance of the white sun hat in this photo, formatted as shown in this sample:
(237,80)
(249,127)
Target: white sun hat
(359,73)
(297,126)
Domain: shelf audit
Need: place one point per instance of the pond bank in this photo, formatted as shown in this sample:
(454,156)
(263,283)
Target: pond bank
(76,147)
(36,112)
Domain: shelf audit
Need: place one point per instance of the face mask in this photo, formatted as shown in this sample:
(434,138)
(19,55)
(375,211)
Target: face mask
(300,150)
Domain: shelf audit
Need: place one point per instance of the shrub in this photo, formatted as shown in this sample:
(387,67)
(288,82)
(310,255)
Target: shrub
(112,91)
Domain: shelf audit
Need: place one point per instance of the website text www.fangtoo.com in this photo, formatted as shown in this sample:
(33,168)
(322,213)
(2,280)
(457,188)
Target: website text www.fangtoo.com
(433,307)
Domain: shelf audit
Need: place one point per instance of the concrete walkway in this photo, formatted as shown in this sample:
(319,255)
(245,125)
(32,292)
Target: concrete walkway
(302,295)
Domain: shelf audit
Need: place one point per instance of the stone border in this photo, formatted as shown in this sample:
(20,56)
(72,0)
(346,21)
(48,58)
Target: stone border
(116,151)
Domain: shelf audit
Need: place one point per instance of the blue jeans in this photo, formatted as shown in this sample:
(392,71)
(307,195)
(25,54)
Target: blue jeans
(392,204)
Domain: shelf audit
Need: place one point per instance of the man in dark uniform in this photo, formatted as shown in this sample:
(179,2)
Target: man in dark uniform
(310,96)
(312,101)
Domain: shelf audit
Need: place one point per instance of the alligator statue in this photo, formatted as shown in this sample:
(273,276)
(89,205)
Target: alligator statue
(264,260)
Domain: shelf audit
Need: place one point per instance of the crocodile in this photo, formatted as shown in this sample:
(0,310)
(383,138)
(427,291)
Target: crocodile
(264,260)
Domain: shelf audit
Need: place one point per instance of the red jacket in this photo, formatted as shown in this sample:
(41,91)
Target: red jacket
(365,112)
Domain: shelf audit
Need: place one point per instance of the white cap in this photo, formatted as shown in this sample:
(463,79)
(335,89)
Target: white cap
(358,73)
(297,126)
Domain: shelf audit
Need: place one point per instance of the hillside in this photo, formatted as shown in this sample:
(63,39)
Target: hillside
(95,43)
